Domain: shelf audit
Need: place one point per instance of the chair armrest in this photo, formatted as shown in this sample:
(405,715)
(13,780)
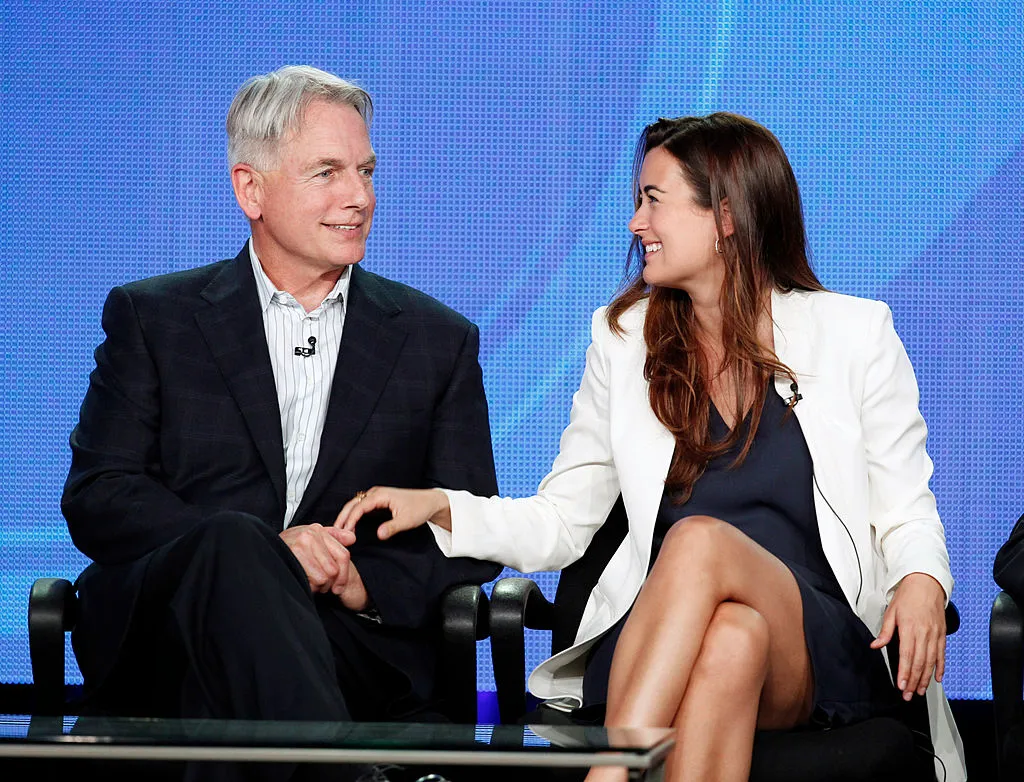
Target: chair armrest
(952,618)
(52,610)
(463,623)
(1006,656)
(516,603)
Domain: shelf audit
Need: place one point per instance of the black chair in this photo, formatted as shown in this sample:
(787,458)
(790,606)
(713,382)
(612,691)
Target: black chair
(53,610)
(878,749)
(1006,656)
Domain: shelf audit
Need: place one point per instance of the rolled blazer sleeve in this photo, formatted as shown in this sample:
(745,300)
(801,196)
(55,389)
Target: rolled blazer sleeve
(901,506)
(553,528)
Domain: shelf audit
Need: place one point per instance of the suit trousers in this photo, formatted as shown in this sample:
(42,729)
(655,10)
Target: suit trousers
(226,627)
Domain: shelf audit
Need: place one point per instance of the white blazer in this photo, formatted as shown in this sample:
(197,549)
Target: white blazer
(859,415)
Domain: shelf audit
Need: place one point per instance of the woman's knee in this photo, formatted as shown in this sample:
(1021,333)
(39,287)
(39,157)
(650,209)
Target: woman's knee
(735,649)
(700,541)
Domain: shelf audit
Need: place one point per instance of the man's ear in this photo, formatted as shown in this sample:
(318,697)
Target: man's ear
(248,186)
(727,226)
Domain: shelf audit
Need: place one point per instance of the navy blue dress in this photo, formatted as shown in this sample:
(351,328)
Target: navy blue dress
(769,497)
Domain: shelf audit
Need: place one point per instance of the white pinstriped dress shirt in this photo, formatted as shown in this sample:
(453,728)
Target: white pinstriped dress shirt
(303,382)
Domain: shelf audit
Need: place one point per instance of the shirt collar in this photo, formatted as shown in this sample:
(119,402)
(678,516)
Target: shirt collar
(266,290)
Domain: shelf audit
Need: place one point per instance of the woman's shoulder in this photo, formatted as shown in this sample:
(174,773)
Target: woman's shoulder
(629,324)
(840,310)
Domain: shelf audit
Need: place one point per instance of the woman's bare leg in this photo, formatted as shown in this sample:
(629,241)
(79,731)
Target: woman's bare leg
(715,723)
(703,564)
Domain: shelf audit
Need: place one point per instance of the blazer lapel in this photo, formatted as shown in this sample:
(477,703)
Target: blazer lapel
(233,330)
(795,347)
(370,345)
(793,332)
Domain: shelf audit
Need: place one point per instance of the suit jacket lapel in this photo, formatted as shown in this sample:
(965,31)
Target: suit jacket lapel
(370,344)
(233,329)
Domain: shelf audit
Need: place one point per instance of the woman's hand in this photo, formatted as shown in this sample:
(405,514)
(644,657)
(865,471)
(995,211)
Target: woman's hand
(918,612)
(409,508)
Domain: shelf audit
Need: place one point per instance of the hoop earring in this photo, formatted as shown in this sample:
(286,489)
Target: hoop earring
(717,248)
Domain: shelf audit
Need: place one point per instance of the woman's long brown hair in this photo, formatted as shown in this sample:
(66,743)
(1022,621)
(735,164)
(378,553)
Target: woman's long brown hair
(722,156)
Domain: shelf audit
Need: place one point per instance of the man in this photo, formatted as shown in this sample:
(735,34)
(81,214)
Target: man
(1008,569)
(234,409)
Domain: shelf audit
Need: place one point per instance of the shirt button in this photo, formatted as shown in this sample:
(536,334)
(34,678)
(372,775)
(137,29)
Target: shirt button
(300,436)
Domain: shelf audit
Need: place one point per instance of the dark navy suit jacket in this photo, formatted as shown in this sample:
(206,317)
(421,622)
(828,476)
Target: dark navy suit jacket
(1008,569)
(181,421)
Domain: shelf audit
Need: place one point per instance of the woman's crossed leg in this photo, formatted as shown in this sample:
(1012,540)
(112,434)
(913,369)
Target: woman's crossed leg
(714,647)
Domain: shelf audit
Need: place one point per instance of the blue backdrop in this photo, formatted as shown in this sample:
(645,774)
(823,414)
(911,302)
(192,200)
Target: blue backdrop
(504,131)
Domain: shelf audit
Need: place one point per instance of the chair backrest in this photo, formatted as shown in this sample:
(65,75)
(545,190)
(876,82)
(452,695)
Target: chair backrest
(578,580)
(1006,657)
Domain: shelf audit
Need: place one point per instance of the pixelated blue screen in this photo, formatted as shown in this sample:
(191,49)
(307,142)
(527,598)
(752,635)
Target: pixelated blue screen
(504,132)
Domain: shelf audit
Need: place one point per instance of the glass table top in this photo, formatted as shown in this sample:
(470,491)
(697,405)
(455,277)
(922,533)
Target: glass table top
(240,740)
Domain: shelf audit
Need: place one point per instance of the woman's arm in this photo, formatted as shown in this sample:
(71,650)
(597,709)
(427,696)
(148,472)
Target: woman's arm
(901,506)
(902,510)
(548,531)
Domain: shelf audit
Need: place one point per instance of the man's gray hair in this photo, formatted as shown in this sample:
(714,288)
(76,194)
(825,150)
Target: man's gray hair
(269,106)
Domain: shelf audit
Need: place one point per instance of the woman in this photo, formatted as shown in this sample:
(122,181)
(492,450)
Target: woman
(765,437)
